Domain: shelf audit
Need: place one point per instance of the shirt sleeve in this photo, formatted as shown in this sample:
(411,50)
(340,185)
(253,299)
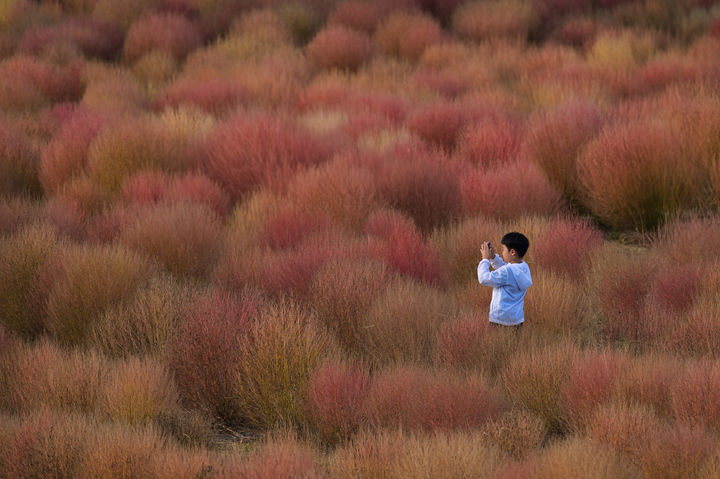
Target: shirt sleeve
(494,279)
(497,262)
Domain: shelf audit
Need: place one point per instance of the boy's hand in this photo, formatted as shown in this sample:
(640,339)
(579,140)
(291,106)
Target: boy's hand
(485,249)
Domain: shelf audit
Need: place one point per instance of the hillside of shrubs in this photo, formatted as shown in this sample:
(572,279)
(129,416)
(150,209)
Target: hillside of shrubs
(239,238)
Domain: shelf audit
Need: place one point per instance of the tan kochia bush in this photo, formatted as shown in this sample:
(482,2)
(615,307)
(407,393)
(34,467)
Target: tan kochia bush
(22,258)
(43,375)
(137,392)
(580,457)
(342,291)
(144,323)
(402,323)
(535,379)
(87,280)
(396,454)
(283,348)
(517,433)
(184,237)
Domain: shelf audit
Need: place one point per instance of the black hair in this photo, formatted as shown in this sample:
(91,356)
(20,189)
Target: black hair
(516,241)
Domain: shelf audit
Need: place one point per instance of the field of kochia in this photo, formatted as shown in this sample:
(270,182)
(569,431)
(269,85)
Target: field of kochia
(239,238)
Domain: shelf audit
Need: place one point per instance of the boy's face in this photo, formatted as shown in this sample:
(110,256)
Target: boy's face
(506,254)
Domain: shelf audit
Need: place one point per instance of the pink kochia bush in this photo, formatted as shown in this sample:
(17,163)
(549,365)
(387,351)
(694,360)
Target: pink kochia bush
(422,184)
(247,152)
(215,96)
(493,143)
(564,246)
(334,398)
(556,138)
(92,36)
(344,398)
(66,156)
(208,348)
(439,123)
(395,240)
(153,187)
(172,33)
(339,47)
(415,399)
(408,35)
(511,190)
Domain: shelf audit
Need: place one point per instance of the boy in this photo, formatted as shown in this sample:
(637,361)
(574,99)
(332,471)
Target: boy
(509,281)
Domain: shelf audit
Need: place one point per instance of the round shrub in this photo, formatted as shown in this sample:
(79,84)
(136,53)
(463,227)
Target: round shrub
(92,36)
(23,258)
(359,15)
(490,144)
(407,35)
(423,185)
(65,157)
(19,161)
(339,47)
(184,237)
(136,145)
(143,324)
(564,246)
(508,192)
(342,291)
(632,175)
(555,140)
(402,322)
(484,20)
(334,397)
(86,280)
(207,349)
(283,348)
(137,391)
(416,399)
(394,240)
(245,153)
(217,96)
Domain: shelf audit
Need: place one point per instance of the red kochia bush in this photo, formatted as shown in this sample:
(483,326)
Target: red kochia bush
(208,348)
(66,155)
(29,83)
(510,191)
(395,240)
(696,394)
(245,153)
(439,123)
(339,47)
(215,96)
(590,383)
(564,246)
(491,143)
(555,139)
(422,184)
(334,400)
(416,399)
(172,33)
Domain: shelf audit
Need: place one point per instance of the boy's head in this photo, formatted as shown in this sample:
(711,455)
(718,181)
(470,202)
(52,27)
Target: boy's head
(515,241)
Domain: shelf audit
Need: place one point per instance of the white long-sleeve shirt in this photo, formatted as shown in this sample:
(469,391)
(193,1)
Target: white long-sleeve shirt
(510,282)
